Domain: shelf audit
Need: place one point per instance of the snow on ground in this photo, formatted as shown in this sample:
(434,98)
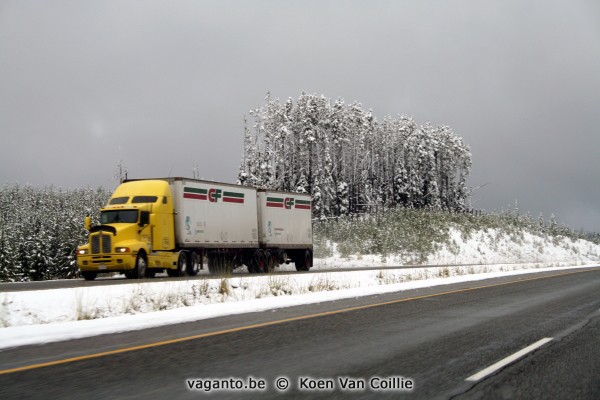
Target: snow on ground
(62,314)
(491,246)
(485,247)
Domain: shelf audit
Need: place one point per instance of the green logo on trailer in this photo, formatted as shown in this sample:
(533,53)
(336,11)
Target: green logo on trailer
(214,195)
(289,203)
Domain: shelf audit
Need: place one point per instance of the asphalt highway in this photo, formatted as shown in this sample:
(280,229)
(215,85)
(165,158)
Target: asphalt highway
(431,339)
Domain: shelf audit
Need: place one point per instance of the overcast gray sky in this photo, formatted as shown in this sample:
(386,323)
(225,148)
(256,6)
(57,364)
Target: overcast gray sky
(165,84)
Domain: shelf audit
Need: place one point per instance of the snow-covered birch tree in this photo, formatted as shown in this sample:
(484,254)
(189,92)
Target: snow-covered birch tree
(349,161)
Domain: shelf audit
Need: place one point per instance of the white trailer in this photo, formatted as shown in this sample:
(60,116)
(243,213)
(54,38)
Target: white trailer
(232,225)
(235,225)
(284,219)
(214,215)
(285,228)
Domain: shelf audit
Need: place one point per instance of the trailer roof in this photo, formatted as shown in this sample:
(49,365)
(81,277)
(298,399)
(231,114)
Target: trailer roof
(282,192)
(179,178)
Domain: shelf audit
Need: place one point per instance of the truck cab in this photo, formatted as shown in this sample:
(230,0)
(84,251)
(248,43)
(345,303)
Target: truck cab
(136,235)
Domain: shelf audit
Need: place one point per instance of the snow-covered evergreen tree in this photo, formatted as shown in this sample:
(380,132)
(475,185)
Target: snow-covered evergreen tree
(349,161)
(40,228)
(552,224)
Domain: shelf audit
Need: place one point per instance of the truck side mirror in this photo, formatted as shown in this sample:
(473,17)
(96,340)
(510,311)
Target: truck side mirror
(144,218)
(88,223)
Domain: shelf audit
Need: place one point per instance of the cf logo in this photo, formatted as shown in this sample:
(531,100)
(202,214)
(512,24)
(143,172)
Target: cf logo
(214,195)
(289,202)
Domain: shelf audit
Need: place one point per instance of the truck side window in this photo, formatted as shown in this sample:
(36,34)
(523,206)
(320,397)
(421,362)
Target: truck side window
(118,200)
(144,199)
(144,218)
(165,200)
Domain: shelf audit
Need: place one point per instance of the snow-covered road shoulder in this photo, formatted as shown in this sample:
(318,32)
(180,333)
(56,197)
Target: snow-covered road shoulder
(44,316)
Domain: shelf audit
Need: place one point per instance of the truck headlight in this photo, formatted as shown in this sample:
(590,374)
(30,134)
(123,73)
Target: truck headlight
(82,252)
(122,250)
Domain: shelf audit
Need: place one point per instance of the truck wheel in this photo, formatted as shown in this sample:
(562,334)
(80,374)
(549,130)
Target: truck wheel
(212,268)
(308,260)
(303,261)
(299,262)
(270,260)
(219,263)
(249,261)
(182,263)
(259,263)
(140,266)
(214,263)
(194,265)
(89,275)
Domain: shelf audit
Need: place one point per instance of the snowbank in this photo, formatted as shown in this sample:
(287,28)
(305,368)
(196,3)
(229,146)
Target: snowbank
(62,314)
(485,247)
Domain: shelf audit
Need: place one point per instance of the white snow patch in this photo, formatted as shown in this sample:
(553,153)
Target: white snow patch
(62,314)
(490,246)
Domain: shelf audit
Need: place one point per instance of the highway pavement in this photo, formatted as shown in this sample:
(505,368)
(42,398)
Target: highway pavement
(431,343)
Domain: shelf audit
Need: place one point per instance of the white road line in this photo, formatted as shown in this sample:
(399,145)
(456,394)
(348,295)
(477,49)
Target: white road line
(493,368)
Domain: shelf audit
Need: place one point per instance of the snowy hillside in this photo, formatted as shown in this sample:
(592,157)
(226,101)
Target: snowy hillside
(408,237)
(483,247)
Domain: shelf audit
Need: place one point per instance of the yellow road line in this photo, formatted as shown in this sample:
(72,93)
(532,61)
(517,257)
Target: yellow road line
(264,324)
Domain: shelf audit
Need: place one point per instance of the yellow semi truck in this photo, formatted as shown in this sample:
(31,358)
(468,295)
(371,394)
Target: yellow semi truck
(174,224)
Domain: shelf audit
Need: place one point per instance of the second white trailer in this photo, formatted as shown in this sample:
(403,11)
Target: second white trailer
(284,219)
(285,228)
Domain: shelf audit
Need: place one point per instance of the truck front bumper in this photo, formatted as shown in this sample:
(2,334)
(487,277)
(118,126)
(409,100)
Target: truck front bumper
(106,262)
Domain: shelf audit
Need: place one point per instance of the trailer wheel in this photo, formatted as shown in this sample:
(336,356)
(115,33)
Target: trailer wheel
(212,267)
(303,261)
(258,264)
(89,275)
(250,266)
(140,266)
(270,260)
(299,262)
(215,263)
(308,260)
(220,262)
(194,265)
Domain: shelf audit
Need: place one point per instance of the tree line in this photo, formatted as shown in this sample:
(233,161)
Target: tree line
(40,229)
(349,161)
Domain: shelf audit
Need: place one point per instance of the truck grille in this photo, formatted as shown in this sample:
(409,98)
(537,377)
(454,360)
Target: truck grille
(101,242)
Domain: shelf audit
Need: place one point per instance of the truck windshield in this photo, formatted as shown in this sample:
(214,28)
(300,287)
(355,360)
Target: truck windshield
(119,216)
